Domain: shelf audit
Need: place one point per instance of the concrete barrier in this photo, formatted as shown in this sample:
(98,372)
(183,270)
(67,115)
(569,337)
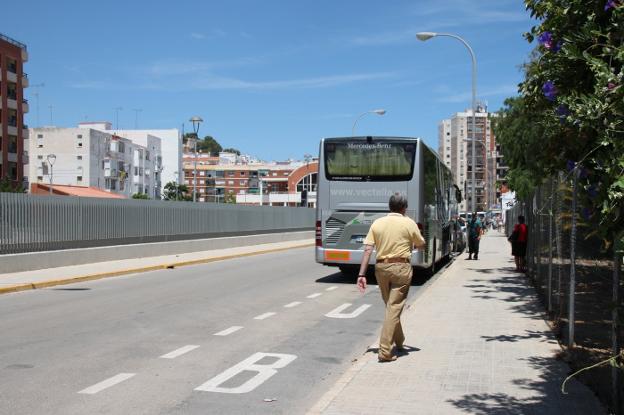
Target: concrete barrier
(51,259)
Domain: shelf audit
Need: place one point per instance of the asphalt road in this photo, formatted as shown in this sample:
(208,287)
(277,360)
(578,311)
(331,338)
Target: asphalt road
(195,340)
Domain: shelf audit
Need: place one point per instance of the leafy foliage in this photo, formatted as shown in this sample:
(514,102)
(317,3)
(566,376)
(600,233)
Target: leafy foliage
(232,150)
(7,187)
(140,196)
(173,191)
(570,113)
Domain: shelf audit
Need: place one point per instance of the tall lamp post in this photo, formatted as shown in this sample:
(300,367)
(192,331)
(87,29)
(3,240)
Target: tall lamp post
(428,35)
(378,112)
(51,159)
(195,121)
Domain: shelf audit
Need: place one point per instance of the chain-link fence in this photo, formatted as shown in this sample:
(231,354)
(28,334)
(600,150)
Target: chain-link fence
(577,275)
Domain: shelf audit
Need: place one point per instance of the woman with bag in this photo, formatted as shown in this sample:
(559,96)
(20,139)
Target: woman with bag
(518,239)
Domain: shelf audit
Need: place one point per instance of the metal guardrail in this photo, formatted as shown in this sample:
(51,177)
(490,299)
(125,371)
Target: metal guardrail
(41,223)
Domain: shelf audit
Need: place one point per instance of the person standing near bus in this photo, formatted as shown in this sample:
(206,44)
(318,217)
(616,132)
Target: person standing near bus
(474,236)
(393,236)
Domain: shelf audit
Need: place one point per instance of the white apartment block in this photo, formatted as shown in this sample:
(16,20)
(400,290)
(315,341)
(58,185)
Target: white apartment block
(455,149)
(88,157)
(170,141)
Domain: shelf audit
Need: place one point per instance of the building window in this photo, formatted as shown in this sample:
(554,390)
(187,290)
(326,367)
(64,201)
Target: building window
(79,178)
(79,144)
(242,173)
(230,182)
(39,178)
(79,136)
(39,157)
(78,157)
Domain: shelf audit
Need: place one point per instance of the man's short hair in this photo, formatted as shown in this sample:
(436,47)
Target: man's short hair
(397,202)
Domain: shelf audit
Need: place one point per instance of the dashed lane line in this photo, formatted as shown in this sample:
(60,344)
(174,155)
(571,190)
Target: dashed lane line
(293,304)
(228,331)
(105,384)
(314,295)
(331,288)
(179,352)
(264,316)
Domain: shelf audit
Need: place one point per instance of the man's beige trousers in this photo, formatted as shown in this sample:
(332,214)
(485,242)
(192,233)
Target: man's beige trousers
(394,281)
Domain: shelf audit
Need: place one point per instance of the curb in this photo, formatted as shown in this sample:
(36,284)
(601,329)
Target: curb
(171,265)
(357,367)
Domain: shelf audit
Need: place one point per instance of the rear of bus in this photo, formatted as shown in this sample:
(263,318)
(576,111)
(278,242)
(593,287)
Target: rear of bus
(357,176)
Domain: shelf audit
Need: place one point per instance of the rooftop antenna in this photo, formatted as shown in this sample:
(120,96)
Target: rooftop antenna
(36,94)
(117,109)
(136,117)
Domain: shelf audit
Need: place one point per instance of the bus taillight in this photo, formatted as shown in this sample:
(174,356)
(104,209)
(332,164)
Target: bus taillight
(319,237)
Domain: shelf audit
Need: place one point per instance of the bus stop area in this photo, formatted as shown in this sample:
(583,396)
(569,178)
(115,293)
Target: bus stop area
(476,342)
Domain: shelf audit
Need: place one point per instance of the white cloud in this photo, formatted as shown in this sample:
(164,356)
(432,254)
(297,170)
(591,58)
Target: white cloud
(198,36)
(487,92)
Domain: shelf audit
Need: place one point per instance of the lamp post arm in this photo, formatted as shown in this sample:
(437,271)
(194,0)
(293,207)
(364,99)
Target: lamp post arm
(356,121)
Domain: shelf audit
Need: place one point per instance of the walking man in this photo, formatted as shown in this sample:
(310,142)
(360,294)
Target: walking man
(393,236)
(474,236)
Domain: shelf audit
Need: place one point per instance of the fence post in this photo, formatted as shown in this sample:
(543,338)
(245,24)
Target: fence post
(615,372)
(550,244)
(559,241)
(572,260)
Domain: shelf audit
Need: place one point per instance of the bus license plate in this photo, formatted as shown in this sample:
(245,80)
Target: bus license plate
(337,255)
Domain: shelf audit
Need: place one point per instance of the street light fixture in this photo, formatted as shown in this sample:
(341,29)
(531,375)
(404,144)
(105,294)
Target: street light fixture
(424,36)
(195,121)
(51,159)
(377,111)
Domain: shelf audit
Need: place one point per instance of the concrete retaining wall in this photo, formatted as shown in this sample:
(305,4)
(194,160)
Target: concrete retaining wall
(51,259)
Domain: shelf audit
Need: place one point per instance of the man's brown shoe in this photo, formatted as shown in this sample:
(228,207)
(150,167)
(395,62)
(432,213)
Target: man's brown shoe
(384,359)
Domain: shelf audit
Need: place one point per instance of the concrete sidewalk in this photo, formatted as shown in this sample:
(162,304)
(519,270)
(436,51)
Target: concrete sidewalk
(479,345)
(27,280)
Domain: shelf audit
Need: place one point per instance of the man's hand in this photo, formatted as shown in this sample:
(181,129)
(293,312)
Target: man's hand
(361,283)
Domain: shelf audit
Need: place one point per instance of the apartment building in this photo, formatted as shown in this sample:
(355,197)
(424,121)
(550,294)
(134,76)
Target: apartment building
(170,141)
(92,158)
(289,183)
(455,149)
(13,106)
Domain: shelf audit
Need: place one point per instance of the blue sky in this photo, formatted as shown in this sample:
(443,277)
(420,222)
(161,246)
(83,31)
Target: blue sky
(268,77)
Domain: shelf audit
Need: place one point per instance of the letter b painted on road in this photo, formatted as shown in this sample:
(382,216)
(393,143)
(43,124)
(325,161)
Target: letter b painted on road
(264,372)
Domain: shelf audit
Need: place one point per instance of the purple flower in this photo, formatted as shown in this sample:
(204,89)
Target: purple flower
(545,39)
(570,165)
(611,86)
(611,4)
(556,47)
(549,90)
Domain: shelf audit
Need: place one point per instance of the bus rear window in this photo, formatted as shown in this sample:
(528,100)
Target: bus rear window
(374,161)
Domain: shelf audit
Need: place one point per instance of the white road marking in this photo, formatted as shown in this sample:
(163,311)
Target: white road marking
(293,304)
(264,372)
(228,331)
(91,390)
(331,288)
(314,295)
(265,315)
(179,352)
(338,311)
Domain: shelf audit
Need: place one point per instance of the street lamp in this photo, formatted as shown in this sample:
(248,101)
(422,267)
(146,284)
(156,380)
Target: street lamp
(51,159)
(195,121)
(428,35)
(378,112)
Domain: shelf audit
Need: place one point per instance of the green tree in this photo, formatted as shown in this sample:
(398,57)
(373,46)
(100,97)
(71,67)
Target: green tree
(232,150)
(140,196)
(207,145)
(229,198)
(7,187)
(570,113)
(173,191)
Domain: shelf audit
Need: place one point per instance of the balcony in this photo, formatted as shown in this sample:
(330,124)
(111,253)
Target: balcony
(11,102)
(11,74)
(25,82)
(25,107)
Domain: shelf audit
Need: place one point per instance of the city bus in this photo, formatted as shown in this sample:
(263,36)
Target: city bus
(357,176)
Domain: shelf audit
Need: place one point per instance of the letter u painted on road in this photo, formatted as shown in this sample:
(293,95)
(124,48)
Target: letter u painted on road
(338,311)
(264,372)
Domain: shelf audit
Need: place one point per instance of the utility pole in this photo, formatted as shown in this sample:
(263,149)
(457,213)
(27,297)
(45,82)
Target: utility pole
(51,121)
